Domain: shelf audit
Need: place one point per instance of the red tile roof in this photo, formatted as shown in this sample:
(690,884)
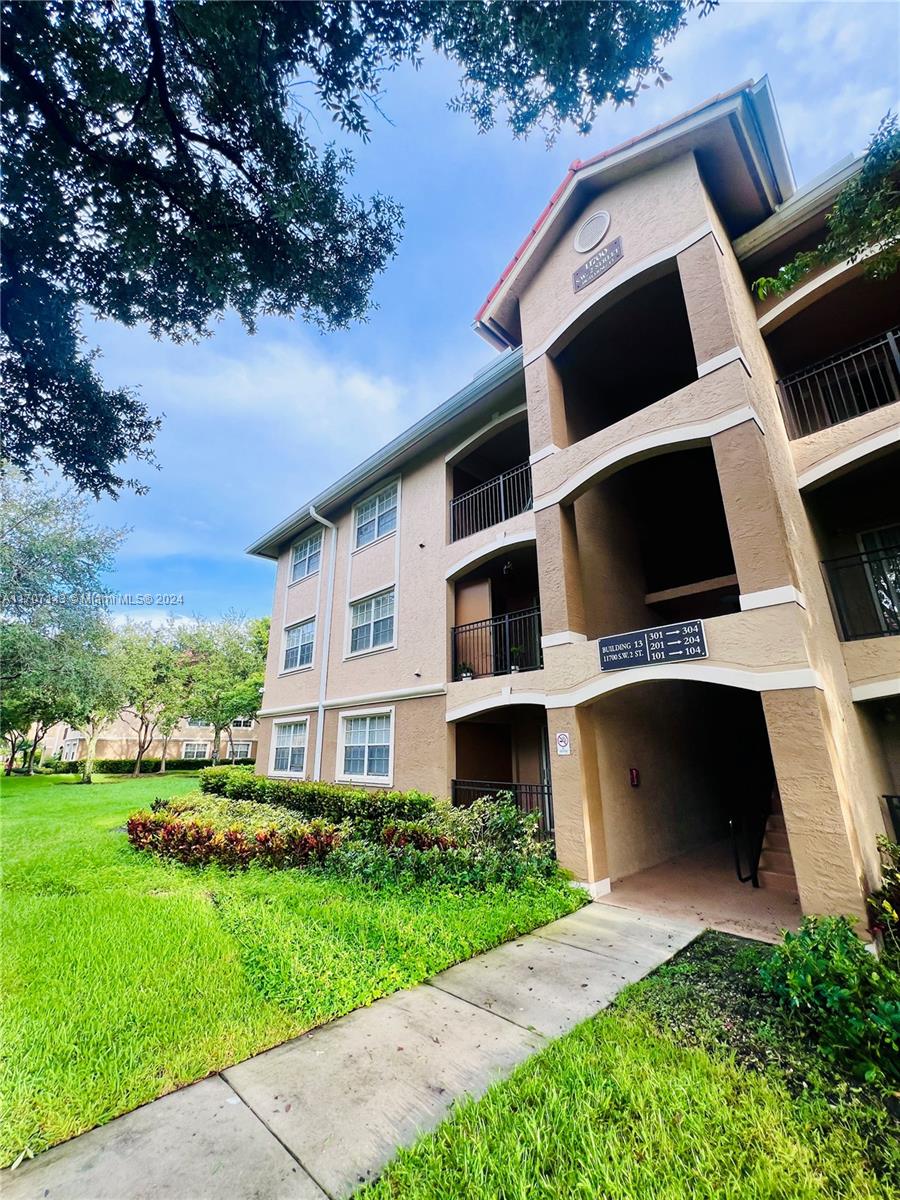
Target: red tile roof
(579,165)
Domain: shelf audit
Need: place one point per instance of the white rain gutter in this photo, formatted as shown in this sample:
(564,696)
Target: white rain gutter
(326,640)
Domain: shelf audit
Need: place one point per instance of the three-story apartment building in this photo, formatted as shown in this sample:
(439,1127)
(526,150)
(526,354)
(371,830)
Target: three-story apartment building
(643,570)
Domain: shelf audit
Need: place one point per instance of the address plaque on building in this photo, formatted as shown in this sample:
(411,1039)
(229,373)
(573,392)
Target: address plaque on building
(597,265)
(660,644)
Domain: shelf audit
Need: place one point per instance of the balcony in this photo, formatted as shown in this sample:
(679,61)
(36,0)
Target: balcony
(529,798)
(498,645)
(865,593)
(845,386)
(504,496)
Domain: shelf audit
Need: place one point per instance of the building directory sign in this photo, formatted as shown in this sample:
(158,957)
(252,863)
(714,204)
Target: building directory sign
(661,644)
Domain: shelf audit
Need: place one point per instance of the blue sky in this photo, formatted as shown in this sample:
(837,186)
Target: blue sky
(255,425)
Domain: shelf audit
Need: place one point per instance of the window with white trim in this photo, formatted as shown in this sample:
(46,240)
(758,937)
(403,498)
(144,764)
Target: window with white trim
(69,750)
(377,516)
(290,747)
(306,556)
(198,722)
(372,622)
(367,746)
(240,749)
(195,750)
(298,644)
(242,723)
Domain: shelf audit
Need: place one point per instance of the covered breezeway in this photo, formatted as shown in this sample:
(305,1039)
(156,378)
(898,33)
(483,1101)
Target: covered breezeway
(691,811)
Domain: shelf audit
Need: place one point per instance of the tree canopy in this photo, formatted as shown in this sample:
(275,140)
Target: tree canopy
(864,222)
(163,166)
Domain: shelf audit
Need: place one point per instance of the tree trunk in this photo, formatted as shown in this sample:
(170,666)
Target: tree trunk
(14,744)
(142,743)
(217,738)
(38,738)
(87,765)
(230,746)
(165,751)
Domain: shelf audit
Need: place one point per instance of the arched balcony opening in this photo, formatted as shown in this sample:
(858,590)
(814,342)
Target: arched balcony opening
(497,621)
(839,357)
(491,483)
(856,520)
(654,546)
(633,353)
(506,751)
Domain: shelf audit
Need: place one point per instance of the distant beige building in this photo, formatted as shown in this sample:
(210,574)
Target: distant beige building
(190,739)
(643,570)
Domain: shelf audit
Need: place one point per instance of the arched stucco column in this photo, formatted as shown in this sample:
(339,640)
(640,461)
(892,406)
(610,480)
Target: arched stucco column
(577,809)
(756,524)
(547,424)
(823,846)
(559,571)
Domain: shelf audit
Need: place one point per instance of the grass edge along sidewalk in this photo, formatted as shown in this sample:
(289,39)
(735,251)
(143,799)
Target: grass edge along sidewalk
(126,977)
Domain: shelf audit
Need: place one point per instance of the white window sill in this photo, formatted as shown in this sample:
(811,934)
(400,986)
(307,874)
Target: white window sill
(365,653)
(380,781)
(296,670)
(302,579)
(273,774)
(375,541)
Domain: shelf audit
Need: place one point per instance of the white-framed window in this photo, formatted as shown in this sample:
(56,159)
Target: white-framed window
(240,749)
(306,556)
(367,745)
(195,750)
(242,723)
(289,747)
(298,644)
(198,723)
(377,516)
(69,750)
(372,622)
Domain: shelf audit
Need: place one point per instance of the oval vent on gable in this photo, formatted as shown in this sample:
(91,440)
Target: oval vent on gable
(592,232)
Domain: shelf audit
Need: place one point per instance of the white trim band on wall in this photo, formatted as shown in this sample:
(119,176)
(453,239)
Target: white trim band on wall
(735,354)
(875,690)
(566,638)
(609,460)
(413,693)
(600,685)
(483,553)
(870,445)
(770,597)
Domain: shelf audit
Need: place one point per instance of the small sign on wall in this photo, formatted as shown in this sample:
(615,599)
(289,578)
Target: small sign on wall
(563,744)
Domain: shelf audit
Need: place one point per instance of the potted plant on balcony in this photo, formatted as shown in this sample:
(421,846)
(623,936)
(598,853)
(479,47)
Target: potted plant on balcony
(465,671)
(514,654)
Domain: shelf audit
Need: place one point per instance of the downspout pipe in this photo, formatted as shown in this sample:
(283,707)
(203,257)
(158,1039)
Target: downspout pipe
(326,640)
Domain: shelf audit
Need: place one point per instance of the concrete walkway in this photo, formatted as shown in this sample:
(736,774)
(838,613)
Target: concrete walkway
(323,1114)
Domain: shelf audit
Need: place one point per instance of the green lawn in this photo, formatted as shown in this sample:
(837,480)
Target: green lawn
(693,1085)
(124,976)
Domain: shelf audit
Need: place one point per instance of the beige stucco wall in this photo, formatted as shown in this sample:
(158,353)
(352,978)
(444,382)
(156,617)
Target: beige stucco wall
(119,739)
(873,660)
(650,213)
(828,449)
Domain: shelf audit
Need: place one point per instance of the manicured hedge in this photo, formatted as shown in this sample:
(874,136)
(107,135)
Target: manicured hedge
(124,766)
(331,801)
(197,842)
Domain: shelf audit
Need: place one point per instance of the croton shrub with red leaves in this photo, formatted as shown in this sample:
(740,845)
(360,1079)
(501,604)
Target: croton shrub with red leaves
(196,842)
(417,834)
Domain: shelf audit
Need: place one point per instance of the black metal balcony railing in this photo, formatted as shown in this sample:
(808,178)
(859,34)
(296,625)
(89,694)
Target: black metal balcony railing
(502,497)
(845,386)
(530,797)
(498,645)
(865,593)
